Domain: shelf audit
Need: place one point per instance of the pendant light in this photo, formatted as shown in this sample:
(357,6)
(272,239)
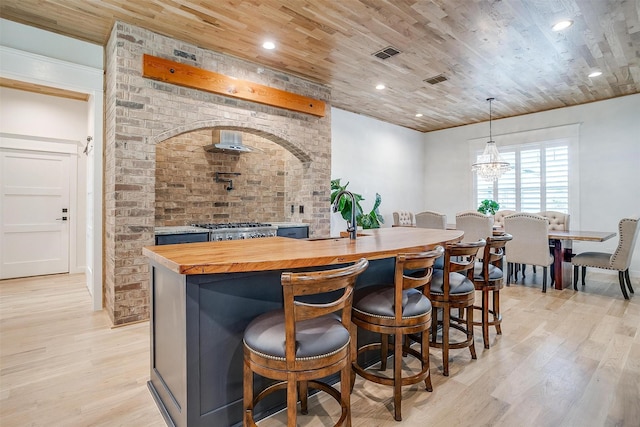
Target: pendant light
(490,165)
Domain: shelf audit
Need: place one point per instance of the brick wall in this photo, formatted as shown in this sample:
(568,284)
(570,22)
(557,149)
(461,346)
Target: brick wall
(145,118)
(187,191)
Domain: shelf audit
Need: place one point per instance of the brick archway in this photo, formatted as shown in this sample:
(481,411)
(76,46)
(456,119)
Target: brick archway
(279,137)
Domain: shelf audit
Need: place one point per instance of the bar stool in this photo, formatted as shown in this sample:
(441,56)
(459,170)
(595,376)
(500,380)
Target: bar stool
(488,277)
(398,310)
(304,342)
(450,288)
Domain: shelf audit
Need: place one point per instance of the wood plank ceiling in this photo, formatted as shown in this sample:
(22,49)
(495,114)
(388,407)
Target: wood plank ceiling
(504,49)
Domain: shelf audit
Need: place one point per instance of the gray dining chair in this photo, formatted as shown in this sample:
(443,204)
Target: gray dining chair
(431,219)
(619,260)
(530,244)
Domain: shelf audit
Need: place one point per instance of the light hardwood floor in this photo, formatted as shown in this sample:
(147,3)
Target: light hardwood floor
(565,359)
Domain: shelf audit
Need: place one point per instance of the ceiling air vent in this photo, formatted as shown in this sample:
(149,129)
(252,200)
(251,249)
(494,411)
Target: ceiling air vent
(386,53)
(436,79)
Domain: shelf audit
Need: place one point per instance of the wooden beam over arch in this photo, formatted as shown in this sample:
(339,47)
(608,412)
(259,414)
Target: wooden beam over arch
(197,78)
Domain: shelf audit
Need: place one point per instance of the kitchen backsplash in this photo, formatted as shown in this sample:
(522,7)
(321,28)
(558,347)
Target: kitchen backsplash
(187,191)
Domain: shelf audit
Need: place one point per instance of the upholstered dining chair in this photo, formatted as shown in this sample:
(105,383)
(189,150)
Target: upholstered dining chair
(431,219)
(396,310)
(403,219)
(530,244)
(619,260)
(475,225)
(451,288)
(488,278)
(558,221)
(498,218)
(304,342)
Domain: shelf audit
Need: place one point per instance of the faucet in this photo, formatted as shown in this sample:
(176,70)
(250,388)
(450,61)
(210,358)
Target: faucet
(227,180)
(351,225)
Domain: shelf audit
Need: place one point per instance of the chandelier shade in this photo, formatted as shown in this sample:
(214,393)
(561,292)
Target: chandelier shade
(489,164)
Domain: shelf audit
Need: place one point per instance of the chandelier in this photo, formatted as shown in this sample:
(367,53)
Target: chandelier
(490,165)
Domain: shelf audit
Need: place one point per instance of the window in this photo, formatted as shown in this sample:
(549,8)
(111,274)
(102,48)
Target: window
(539,179)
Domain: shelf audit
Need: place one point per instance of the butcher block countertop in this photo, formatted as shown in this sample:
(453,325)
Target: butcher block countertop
(278,253)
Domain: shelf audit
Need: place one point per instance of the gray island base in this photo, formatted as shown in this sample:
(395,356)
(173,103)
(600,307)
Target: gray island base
(197,325)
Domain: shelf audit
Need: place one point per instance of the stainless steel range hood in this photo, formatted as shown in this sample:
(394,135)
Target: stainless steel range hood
(227,141)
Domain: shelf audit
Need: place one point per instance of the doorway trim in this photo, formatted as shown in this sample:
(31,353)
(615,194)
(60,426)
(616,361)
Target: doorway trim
(42,70)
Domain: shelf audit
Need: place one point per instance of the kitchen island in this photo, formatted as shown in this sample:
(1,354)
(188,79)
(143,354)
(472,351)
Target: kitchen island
(203,295)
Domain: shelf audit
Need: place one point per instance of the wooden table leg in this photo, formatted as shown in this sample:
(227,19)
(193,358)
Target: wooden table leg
(562,265)
(558,261)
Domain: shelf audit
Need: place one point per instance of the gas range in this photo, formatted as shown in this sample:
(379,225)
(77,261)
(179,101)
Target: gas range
(238,230)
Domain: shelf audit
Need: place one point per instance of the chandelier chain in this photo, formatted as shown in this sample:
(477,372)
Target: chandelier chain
(490,165)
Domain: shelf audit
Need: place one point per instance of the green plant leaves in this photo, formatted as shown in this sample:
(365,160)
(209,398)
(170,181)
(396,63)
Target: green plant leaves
(372,219)
(488,207)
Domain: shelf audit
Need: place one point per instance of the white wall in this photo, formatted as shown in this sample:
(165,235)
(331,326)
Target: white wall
(609,164)
(377,157)
(34,114)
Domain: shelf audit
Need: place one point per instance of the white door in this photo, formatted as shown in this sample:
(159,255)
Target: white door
(34,217)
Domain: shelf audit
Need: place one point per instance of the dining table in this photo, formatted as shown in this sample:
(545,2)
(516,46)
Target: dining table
(564,251)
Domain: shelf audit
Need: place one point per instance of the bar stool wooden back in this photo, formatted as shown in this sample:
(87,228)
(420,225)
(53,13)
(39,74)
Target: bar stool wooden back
(303,342)
(398,309)
(451,288)
(488,277)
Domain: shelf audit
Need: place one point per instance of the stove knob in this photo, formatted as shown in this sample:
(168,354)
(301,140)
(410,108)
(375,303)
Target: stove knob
(229,237)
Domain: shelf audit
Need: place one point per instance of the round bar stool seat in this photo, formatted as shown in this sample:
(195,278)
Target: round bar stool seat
(314,337)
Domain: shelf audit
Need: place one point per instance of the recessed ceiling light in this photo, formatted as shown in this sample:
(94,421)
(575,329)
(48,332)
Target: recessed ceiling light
(269,45)
(419,115)
(562,25)
(595,74)
(380,86)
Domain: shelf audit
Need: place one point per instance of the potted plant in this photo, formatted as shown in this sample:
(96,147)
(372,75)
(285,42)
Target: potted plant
(373,219)
(488,207)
